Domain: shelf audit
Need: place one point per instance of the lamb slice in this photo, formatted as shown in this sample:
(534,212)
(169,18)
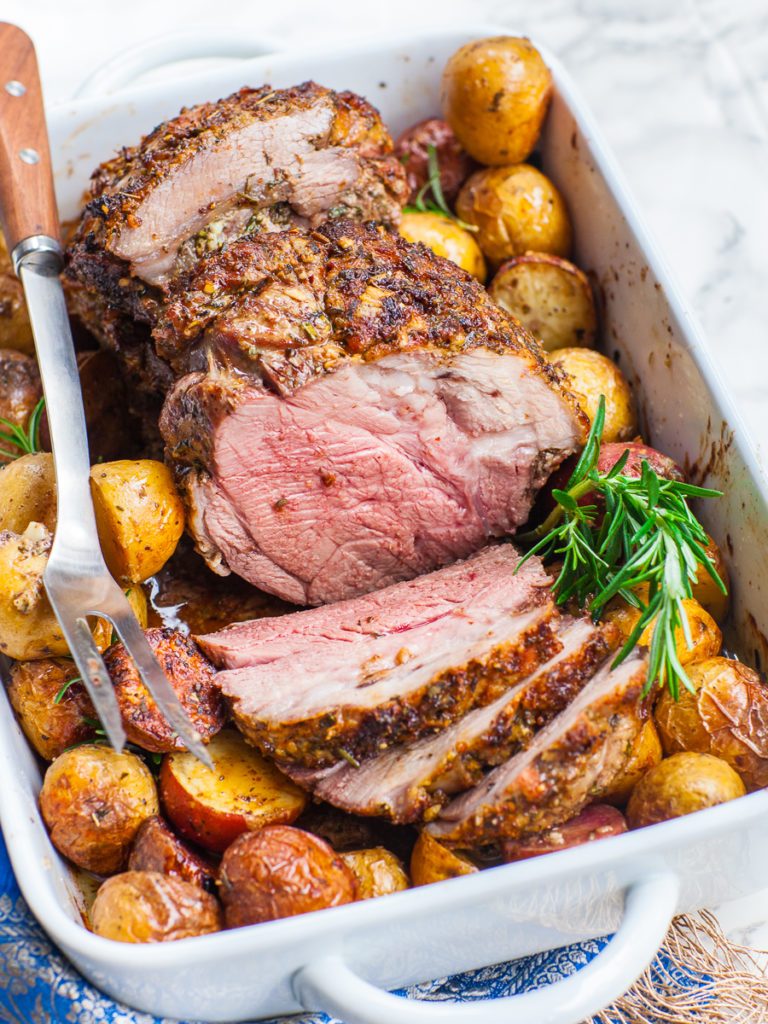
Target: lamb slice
(347,697)
(408,784)
(566,766)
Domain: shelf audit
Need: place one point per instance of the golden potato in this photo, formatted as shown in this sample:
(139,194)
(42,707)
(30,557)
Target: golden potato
(516,209)
(378,872)
(682,784)
(706,591)
(52,714)
(445,238)
(93,801)
(20,392)
(15,328)
(281,871)
(28,627)
(157,848)
(550,297)
(433,862)
(139,516)
(705,633)
(727,716)
(411,149)
(28,493)
(592,375)
(645,754)
(495,94)
(146,906)
(244,792)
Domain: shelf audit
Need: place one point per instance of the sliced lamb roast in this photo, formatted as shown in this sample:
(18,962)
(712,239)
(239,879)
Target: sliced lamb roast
(346,682)
(408,784)
(259,160)
(565,767)
(365,414)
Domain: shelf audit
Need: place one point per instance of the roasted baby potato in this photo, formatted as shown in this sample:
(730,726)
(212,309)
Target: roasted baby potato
(445,238)
(516,209)
(705,634)
(550,297)
(433,862)
(639,453)
(139,516)
(495,94)
(53,714)
(28,627)
(592,374)
(28,493)
(158,848)
(281,871)
(412,150)
(682,784)
(645,754)
(727,716)
(15,328)
(599,821)
(20,391)
(378,872)
(146,906)
(93,801)
(244,792)
(706,591)
(191,676)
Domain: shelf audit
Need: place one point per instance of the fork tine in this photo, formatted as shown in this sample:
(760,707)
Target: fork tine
(156,681)
(94,674)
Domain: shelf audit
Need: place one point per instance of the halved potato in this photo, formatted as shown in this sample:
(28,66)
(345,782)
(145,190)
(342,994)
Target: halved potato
(243,793)
(591,375)
(378,872)
(550,297)
(445,238)
(28,627)
(139,516)
(433,862)
(645,754)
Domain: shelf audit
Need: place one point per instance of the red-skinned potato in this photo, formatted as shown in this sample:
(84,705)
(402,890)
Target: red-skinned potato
(279,872)
(157,848)
(245,792)
(20,391)
(454,162)
(599,821)
(639,452)
(146,906)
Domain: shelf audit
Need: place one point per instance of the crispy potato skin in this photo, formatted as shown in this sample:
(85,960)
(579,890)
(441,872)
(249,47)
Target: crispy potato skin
(28,627)
(433,862)
(139,516)
(279,872)
(93,801)
(592,375)
(15,328)
(191,675)
(495,94)
(378,872)
(705,633)
(28,493)
(445,238)
(455,163)
(244,792)
(516,209)
(550,297)
(50,727)
(706,591)
(20,390)
(599,821)
(157,848)
(146,906)
(682,784)
(727,716)
(646,753)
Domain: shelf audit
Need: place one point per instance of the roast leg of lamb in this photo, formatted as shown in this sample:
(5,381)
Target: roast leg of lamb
(365,412)
(347,681)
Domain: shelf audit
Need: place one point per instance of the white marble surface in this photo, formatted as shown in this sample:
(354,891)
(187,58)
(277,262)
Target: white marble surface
(680,88)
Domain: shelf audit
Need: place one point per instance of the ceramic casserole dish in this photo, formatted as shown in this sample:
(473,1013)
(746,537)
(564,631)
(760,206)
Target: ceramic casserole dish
(343,960)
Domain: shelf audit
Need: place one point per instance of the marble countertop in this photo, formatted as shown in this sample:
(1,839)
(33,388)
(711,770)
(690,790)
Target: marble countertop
(680,88)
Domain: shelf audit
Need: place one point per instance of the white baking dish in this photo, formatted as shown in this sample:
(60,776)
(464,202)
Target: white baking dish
(341,960)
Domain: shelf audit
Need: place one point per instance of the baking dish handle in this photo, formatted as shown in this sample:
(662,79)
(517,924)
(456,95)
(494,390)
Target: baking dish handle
(330,985)
(122,69)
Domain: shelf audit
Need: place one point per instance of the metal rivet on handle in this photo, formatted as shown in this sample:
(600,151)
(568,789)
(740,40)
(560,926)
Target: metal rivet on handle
(15,88)
(29,156)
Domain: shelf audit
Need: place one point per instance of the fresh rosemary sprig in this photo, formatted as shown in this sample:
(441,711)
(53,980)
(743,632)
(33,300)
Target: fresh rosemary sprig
(437,204)
(26,440)
(638,533)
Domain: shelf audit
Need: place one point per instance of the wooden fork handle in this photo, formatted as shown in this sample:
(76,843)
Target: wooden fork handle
(27,201)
